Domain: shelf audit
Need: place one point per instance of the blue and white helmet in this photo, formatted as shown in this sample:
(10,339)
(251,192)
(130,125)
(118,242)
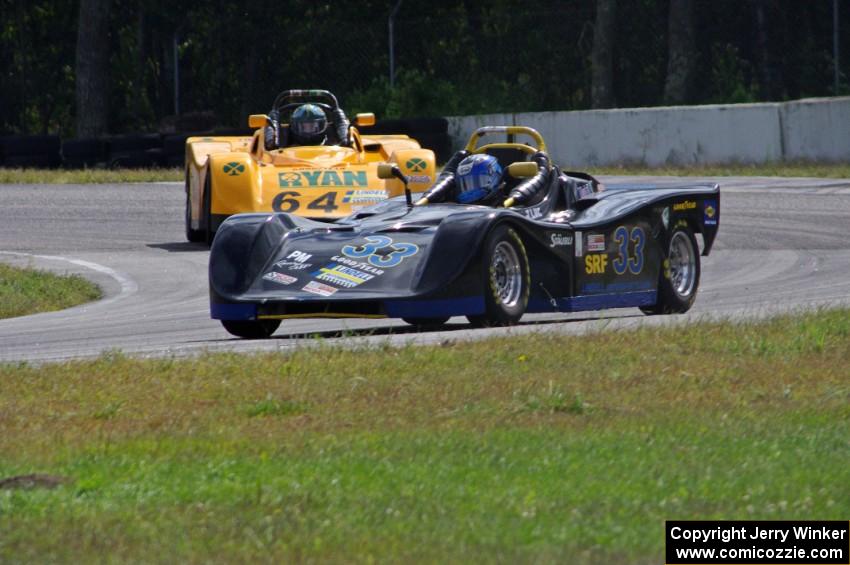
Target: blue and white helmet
(478,176)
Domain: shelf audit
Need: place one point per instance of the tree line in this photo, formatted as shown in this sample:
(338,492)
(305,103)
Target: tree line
(92,67)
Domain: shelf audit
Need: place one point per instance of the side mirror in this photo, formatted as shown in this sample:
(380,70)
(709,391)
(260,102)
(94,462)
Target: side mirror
(362,120)
(391,170)
(522,170)
(385,171)
(257,120)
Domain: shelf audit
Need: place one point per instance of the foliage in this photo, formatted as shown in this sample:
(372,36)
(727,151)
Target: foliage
(451,57)
(530,448)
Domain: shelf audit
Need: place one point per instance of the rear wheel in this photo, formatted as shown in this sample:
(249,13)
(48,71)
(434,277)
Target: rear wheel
(507,279)
(251,329)
(427,323)
(679,278)
(195,236)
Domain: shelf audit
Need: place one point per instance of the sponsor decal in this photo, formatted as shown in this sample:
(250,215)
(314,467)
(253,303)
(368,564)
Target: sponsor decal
(595,264)
(579,243)
(341,275)
(584,190)
(380,251)
(595,242)
(364,196)
(532,213)
(298,256)
(683,206)
(560,240)
(322,177)
(357,265)
(416,165)
(292,265)
(279,278)
(234,169)
(420,179)
(710,211)
(464,168)
(319,288)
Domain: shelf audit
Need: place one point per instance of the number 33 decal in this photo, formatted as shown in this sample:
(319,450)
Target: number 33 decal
(369,251)
(625,262)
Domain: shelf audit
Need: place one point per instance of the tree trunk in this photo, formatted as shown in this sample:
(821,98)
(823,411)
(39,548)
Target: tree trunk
(771,79)
(92,66)
(602,57)
(681,52)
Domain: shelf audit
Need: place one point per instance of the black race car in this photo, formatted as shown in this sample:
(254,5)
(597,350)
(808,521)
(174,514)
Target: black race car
(559,242)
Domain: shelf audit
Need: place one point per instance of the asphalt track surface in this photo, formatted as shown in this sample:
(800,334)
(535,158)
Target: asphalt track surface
(783,246)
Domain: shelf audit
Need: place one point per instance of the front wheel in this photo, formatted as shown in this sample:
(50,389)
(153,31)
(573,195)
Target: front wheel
(206,211)
(679,278)
(251,329)
(192,235)
(507,279)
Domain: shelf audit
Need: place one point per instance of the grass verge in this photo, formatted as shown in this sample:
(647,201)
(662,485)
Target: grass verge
(29,291)
(528,448)
(88,176)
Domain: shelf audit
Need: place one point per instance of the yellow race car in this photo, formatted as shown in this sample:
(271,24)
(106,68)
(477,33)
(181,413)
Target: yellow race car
(304,158)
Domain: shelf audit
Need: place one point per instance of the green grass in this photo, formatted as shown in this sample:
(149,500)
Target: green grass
(530,448)
(88,176)
(778,169)
(29,291)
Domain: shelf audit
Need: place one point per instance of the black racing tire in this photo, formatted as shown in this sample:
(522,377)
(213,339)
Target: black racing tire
(194,236)
(251,329)
(506,279)
(427,323)
(678,281)
(206,211)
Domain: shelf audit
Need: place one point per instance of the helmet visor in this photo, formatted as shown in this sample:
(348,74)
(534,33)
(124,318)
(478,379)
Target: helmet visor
(474,187)
(311,127)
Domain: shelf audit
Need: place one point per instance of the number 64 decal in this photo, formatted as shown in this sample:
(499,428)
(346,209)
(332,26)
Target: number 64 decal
(625,262)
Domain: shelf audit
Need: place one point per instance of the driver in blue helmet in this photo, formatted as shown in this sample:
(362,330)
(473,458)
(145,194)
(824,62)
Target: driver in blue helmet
(479,180)
(309,125)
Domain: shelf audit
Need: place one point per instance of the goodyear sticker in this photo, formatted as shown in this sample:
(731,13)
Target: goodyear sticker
(341,275)
(710,212)
(322,178)
(684,206)
(364,196)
